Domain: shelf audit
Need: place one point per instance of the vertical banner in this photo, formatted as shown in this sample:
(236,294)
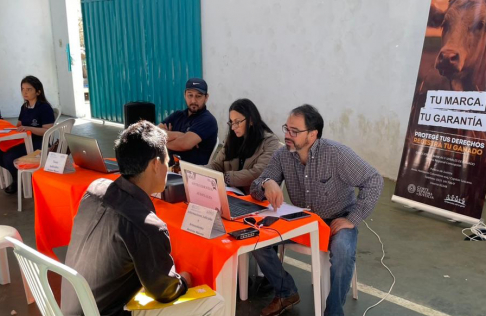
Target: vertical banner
(443,167)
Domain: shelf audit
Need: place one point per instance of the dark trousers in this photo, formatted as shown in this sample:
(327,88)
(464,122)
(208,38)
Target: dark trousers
(7,158)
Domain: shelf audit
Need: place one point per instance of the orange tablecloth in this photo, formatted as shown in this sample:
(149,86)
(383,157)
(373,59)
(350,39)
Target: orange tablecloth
(6,145)
(56,202)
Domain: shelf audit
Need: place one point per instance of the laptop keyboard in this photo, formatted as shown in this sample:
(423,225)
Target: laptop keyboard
(237,210)
(111,165)
(240,207)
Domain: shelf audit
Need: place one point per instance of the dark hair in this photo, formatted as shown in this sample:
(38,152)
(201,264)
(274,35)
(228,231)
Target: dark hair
(37,84)
(313,120)
(137,145)
(244,147)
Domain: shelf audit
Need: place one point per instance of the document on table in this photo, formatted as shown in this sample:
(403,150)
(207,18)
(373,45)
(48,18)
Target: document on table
(282,210)
(4,131)
(235,191)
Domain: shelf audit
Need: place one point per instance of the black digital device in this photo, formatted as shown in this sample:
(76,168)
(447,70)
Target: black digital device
(294,216)
(244,233)
(267,221)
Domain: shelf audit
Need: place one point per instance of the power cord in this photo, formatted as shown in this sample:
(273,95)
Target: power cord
(283,270)
(382,257)
(478,231)
(250,221)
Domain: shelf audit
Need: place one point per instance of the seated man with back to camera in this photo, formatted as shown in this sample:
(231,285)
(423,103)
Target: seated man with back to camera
(192,132)
(118,244)
(320,175)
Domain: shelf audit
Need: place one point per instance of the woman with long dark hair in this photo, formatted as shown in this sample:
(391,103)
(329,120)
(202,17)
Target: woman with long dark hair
(248,148)
(36,116)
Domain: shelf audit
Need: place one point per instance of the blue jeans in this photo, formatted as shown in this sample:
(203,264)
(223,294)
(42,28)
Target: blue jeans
(342,247)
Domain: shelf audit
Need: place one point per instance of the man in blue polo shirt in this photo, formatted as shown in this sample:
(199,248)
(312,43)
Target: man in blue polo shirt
(192,132)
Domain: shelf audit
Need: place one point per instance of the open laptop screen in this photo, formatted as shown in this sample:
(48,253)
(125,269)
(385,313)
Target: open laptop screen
(204,186)
(86,154)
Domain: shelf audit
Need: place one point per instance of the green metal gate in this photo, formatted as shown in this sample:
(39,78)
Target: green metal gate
(140,50)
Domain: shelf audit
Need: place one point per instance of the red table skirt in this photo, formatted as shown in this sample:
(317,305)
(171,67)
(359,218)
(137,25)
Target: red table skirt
(6,145)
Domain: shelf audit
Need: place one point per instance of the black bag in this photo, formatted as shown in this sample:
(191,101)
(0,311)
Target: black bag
(53,147)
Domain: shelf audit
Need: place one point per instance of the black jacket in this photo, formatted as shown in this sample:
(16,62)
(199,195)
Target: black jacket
(118,244)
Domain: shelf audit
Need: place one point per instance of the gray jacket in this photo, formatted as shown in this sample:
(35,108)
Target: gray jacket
(253,166)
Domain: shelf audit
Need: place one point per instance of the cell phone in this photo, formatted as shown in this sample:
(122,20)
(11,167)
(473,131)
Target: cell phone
(267,221)
(294,216)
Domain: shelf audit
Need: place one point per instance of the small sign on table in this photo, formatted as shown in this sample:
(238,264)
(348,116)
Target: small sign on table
(55,162)
(203,221)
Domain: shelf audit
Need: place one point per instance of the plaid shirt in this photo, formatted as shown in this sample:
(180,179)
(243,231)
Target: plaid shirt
(326,183)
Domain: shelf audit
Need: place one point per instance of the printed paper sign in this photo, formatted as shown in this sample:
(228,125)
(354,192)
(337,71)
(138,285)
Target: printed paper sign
(453,119)
(55,162)
(456,100)
(203,190)
(203,221)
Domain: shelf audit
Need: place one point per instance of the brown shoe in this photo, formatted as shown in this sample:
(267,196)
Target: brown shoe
(280,305)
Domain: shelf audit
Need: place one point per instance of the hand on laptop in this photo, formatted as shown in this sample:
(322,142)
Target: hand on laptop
(273,193)
(187,277)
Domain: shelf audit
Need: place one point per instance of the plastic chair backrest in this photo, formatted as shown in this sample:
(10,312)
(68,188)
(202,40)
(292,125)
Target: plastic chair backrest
(57,114)
(53,133)
(35,266)
(213,153)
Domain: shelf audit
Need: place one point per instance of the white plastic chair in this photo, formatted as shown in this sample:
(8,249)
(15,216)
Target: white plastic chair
(57,114)
(213,153)
(7,231)
(5,178)
(36,265)
(55,132)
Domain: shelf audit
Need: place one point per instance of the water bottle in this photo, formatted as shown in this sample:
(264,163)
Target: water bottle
(176,168)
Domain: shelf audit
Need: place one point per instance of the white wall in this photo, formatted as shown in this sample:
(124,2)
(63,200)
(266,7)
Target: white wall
(25,49)
(66,31)
(355,61)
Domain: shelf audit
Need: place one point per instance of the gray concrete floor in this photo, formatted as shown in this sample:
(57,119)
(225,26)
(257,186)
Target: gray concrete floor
(434,266)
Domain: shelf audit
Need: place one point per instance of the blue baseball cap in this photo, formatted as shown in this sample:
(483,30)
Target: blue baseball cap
(197,84)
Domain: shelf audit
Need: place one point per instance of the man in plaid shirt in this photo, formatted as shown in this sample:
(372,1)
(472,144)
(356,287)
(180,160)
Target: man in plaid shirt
(320,175)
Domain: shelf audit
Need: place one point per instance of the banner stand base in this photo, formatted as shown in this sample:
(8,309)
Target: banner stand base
(434,210)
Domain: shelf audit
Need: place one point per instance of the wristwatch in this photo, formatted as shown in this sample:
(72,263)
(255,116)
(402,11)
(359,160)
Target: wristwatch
(264,181)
